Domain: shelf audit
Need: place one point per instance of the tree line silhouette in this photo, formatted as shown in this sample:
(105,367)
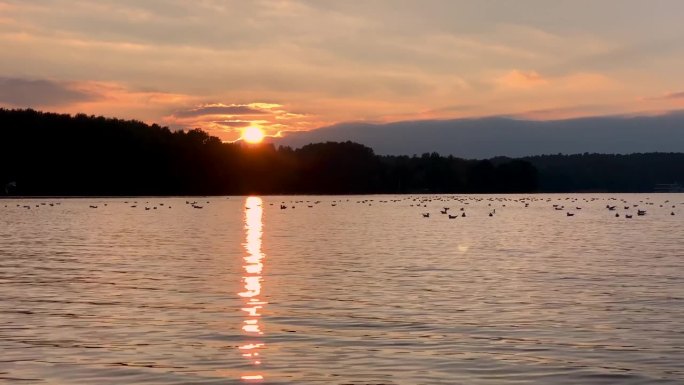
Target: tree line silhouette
(57,154)
(608,172)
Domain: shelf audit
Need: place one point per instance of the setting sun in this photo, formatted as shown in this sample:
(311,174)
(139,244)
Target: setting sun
(253,135)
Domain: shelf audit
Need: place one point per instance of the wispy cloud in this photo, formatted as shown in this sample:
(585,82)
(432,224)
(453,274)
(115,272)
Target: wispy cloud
(667,101)
(522,79)
(672,96)
(533,80)
(235,123)
(566,112)
(219,109)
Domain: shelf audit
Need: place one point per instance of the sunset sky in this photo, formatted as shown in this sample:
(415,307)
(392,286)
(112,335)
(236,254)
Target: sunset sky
(296,65)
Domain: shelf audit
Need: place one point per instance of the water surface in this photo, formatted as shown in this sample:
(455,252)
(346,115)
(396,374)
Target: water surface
(353,290)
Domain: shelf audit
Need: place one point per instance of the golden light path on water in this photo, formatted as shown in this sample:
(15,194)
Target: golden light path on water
(252,305)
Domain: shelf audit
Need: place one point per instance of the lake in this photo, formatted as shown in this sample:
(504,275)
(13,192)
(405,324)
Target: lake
(352,290)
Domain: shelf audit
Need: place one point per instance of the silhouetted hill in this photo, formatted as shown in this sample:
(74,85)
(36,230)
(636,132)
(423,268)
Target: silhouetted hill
(482,138)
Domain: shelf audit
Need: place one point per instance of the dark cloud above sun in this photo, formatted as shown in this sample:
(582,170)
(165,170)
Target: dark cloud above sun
(232,110)
(19,92)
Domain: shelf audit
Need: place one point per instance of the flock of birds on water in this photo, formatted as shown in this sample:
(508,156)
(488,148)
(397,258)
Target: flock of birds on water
(133,204)
(571,206)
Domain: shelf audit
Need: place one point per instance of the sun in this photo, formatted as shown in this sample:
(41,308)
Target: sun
(253,135)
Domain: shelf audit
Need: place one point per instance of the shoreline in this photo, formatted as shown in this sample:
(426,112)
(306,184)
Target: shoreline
(16,197)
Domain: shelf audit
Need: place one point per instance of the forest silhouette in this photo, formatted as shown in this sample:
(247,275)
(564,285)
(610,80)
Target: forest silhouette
(62,155)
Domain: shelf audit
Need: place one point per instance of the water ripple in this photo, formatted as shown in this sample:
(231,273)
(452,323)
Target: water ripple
(243,291)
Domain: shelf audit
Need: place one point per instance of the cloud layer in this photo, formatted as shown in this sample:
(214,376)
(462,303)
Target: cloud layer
(180,63)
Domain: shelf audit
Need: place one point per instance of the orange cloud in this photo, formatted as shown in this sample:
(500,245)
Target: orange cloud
(580,81)
(226,121)
(668,101)
(678,95)
(115,97)
(584,81)
(522,79)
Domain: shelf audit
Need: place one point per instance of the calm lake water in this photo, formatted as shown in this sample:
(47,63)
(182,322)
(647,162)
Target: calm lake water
(353,290)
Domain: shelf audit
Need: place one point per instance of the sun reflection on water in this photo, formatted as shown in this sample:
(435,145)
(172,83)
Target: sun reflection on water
(251,325)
